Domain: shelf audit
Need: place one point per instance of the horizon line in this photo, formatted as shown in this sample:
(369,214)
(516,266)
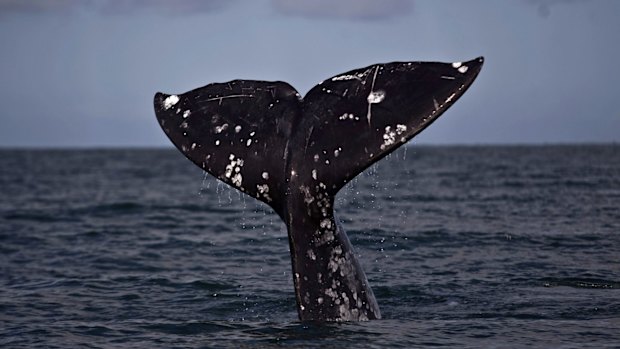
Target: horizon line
(407,145)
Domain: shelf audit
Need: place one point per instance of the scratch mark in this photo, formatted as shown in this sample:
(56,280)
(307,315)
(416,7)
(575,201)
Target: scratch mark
(229,96)
(249,90)
(285,155)
(372,87)
(272,90)
(308,138)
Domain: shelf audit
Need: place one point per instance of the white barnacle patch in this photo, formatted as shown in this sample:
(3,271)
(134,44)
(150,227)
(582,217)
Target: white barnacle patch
(237,128)
(331,293)
(389,137)
(326,223)
(314,174)
(308,198)
(334,264)
(463,69)
(263,190)
(345,297)
(170,101)
(348,116)
(337,152)
(265,175)
(316,157)
(325,237)
(219,129)
(186,114)
(311,254)
(375,97)
(237,179)
(338,250)
(233,170)
(217,142)
(250,140)
(456,65)
(338,261)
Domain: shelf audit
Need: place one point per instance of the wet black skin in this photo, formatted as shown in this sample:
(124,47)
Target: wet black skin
(295,154)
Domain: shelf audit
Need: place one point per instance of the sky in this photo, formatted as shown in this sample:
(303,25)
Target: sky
(82,73)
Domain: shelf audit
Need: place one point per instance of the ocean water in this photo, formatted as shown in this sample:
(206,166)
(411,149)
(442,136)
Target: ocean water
(479,246)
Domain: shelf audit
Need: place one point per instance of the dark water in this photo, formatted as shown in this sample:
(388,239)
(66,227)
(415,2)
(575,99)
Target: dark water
(496,247)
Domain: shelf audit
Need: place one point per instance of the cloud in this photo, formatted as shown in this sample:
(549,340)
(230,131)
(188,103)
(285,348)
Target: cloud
(114,7)
(344,9)
(544,6)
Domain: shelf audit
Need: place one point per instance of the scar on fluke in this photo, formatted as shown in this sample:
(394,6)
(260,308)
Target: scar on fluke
(295,154)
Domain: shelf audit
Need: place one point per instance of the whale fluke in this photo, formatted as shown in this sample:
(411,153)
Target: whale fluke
(296,153)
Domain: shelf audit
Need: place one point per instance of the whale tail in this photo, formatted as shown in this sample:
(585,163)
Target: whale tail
(296,153)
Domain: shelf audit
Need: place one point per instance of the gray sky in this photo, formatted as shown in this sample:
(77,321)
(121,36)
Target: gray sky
(83,72)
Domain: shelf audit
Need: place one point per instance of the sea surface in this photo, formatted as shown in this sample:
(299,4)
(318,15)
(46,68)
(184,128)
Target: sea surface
(464,247)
